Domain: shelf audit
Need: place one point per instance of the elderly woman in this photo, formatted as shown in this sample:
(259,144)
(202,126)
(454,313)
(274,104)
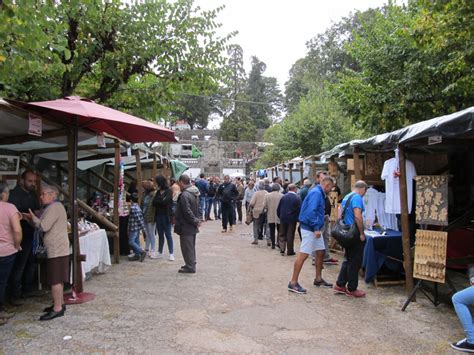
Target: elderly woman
(10,239)
(53,224)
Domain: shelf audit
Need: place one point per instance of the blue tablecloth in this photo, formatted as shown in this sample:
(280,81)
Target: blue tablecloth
(377,248)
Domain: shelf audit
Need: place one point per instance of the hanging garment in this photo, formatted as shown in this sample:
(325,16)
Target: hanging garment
(390,174)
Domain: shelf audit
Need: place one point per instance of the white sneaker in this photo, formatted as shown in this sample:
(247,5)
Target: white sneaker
(155,256)
(131,255)
(171,257)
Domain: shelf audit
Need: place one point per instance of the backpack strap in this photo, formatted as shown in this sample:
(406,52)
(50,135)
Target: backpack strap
(347,205)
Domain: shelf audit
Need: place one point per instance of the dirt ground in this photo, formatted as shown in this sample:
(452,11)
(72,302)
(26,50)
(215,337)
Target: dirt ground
(237,303)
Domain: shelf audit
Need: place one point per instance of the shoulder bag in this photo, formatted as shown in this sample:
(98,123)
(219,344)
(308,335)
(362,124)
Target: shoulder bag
(346,235)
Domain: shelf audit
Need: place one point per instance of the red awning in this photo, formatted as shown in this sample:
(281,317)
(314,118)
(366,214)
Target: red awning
(101,119)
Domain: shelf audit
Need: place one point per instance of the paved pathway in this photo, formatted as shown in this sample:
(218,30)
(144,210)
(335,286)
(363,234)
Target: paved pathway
(236,303)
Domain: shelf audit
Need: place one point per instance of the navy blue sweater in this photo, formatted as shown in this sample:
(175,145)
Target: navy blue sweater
(289,208)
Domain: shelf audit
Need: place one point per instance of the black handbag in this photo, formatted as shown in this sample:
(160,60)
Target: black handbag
(346,235)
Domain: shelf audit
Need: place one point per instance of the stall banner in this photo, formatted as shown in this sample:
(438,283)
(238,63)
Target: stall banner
(430,255)
(35,127)
(432,200)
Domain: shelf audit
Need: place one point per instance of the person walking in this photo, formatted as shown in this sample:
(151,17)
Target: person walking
(288,211)
(136,224)
(227,193)
(163,203)
(348,279)
(217,201)
(149,217)
(249,191)
(10,244)
(270,204)
(53,225)
(258,214)
(240,197)
(312,221)
(203,187)
(305,189)
(211,194)
(22,276)
(187,223)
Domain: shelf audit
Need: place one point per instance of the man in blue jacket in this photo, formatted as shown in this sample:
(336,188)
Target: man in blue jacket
(203,187)
(312,222)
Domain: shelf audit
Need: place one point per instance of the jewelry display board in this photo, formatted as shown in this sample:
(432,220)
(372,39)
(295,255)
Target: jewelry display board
(430,255)
(374,163)
(333,198)
(432,200)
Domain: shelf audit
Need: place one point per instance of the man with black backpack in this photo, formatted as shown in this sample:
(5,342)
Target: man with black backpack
(211,195)
(227,193)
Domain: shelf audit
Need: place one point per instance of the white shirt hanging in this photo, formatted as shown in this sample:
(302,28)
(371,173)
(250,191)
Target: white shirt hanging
(392,185)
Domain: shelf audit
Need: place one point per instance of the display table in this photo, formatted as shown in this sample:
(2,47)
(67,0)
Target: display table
(380,250)
(96,248)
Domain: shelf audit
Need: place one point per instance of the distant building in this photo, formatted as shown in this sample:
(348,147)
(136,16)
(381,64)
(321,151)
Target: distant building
(181,125)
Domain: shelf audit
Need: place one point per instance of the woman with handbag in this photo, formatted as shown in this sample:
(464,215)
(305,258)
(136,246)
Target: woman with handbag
(53,225)
(352,207)
(10,239)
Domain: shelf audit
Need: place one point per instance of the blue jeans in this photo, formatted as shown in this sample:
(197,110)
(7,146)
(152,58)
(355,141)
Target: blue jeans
(163,225)
(217,208)
(134,242)
(202,205)
(150,243)
(6,265)
(461,301)
(209,201)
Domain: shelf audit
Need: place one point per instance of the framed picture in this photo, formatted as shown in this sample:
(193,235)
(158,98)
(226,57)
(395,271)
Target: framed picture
(9,165)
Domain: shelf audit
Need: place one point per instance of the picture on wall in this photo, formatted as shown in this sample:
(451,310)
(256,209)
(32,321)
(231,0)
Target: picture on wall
(9,165)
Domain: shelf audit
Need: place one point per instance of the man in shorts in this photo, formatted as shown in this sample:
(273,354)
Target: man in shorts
(312,222)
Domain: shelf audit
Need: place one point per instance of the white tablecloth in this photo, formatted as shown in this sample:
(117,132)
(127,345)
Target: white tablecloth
(96,248)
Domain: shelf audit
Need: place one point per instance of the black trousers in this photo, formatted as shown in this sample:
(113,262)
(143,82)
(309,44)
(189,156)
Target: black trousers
(188,249)
(274,227)
(349,273)
(227,214)
(286,237)
(238,205)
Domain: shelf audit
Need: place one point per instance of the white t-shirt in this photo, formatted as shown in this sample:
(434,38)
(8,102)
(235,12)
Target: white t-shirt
(392,185)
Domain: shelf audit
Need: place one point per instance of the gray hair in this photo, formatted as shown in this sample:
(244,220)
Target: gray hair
(361,184)
(4,187)
(276,187)
(307,182)
(50,188)
(261,185)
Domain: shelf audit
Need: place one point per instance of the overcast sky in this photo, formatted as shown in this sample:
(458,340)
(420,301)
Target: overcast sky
(276,31)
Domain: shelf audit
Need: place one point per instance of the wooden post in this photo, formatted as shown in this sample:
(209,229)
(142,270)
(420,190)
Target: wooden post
(301,173)
(291,172)
(73,204)
(138,176)
(88,186)
(116,201)
(154,170)
(407,262)
(313,168)
(357,169)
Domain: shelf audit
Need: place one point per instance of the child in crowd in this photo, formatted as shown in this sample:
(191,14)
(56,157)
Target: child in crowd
(136,224)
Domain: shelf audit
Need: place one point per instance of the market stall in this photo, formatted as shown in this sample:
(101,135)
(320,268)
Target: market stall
(66,123)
